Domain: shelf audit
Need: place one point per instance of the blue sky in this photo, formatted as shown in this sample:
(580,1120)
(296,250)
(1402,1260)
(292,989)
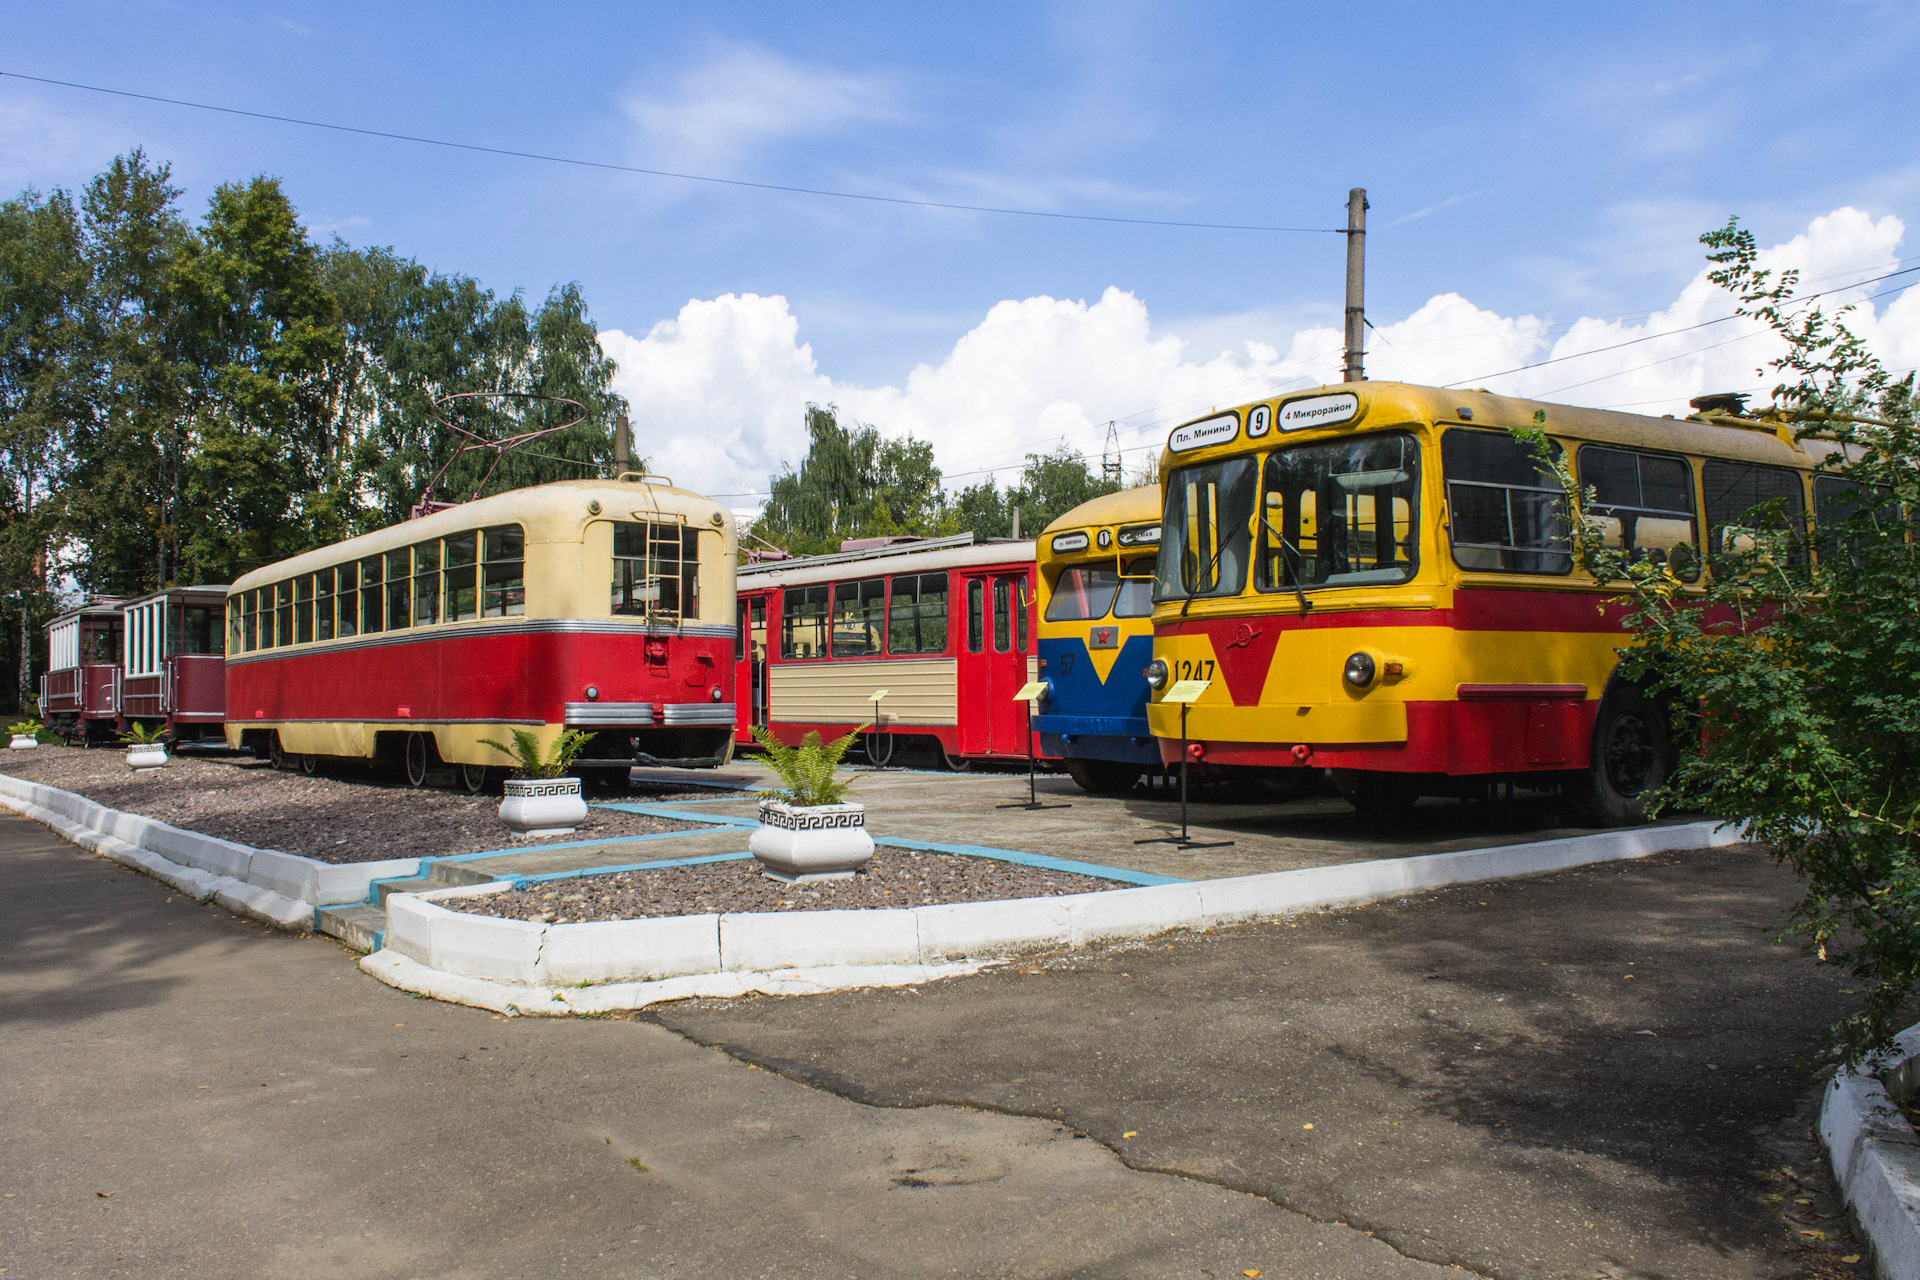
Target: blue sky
(1546,161)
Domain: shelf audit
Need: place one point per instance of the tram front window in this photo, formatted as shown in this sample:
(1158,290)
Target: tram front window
(1082,593)
(1205,539)
(1340,514)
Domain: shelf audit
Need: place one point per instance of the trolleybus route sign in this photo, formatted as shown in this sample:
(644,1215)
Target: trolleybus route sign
(1208,431)
(1319,411)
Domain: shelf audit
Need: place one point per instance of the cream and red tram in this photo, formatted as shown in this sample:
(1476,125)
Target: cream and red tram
(1376,579)
(942,626)
(599,605)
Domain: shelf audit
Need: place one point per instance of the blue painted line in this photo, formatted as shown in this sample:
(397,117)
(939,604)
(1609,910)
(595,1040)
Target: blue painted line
(663,811)
(521,882)
(717,786)
(619,804)
(1093,869)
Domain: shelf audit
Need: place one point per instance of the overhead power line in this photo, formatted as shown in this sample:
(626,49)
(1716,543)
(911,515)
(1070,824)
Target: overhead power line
(666,173)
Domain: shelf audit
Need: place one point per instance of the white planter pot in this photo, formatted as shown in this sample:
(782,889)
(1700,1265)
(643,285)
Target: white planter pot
(23,742)
(145,756)
(542,806)
(824,842)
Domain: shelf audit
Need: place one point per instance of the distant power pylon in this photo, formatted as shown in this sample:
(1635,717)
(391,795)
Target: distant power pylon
(1111,470)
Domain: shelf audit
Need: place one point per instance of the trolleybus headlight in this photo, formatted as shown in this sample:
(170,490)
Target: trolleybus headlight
(1156,674)
(1359,672)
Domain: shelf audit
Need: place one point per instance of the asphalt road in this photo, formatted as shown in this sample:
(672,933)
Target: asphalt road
(183,1093)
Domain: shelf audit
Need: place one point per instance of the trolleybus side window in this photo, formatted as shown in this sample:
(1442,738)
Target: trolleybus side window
(399,590)
(347,599)
(917,617)
(426,583)
(976,616)
(503,554)
(1135,599)
(462,584)
(1082,593)
(1644,505)
(372,612)
(1340,514)
(1508,513)
(859,617)
(656,570)
(1734,493)
(323,605)
(283,615)
(1837,500)
(1204,541)
(803,622)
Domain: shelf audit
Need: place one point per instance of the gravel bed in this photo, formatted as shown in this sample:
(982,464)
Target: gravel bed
(895,878)
(356,817)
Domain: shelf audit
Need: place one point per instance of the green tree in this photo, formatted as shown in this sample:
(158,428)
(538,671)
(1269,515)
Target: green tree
(43,281)
(1798,676)
(852,484)
(1050,485)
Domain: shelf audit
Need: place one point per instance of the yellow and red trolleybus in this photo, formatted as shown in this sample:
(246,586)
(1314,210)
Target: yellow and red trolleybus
(1376,579)
(943,625)
(603,605)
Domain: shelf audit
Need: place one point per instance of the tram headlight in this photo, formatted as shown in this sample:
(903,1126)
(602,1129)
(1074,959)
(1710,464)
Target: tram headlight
(1156,674)
(1359,670)
(593,693)
(715,694)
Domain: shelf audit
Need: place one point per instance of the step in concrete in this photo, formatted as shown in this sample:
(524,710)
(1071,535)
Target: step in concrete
(360,927)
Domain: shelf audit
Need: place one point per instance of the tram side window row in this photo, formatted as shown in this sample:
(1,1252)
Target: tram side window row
(481,573)
(902,616)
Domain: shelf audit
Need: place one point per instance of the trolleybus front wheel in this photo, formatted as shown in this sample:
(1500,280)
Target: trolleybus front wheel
(1632,756)
(1104,777)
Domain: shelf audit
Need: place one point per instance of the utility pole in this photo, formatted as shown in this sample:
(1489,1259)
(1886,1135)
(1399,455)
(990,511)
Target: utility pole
(1356,284)
(1112,471)
(622,450)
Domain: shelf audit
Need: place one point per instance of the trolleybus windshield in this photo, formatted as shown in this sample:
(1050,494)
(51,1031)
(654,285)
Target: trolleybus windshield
(1340,513)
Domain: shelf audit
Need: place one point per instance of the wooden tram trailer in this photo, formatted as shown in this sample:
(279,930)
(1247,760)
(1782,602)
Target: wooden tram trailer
(944,625)
(80,692)
(174,670)
(604,605)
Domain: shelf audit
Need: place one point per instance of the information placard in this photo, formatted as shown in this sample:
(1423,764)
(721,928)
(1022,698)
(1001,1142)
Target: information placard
(1186,690)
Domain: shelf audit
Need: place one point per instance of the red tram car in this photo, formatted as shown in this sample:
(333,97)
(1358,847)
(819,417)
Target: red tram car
(174,672)
(602,605)
(944,626)
(80,693)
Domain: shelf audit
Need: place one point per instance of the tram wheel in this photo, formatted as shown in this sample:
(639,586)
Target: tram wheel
(876,757)
(1104,777)
(955,764)
(473,778)
(310,764)
(417,759)
(275,755)
(1632,756)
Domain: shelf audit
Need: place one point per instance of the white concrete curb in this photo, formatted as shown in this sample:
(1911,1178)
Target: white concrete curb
(1876,1159)
(280,889)
(438,952)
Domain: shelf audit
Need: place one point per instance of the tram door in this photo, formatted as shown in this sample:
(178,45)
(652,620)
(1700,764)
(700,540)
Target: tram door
(750,674)
(996,639)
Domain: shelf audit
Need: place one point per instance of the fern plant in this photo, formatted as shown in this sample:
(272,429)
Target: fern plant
(28,727)
(530,762)
(808,769)
(139,735)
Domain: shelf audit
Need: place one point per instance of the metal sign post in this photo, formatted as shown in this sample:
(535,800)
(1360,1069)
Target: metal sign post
(873,757)
(1185,693)
(1030,692)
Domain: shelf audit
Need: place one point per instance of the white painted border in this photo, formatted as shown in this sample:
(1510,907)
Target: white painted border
(1876,1159)
(280,889)
(530,967)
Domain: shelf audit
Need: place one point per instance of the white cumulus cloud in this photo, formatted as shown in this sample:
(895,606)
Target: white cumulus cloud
(719,391)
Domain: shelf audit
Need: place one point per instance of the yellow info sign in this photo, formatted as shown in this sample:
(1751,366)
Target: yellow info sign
(1186,691)
(878,694)
(1030,691)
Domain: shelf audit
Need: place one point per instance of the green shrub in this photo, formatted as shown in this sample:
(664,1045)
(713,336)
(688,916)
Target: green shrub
(808,769)
(139,735)
(530,762)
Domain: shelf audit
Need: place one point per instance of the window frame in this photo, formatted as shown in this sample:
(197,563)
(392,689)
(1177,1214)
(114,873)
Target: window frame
(821,621)
(1511,551)
(1688,573)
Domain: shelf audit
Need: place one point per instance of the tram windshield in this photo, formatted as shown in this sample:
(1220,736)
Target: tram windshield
(1086,592)
(1340,513)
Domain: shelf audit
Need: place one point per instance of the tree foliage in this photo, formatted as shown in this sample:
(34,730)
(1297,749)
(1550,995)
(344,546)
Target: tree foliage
(1797,669)
(182,402)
